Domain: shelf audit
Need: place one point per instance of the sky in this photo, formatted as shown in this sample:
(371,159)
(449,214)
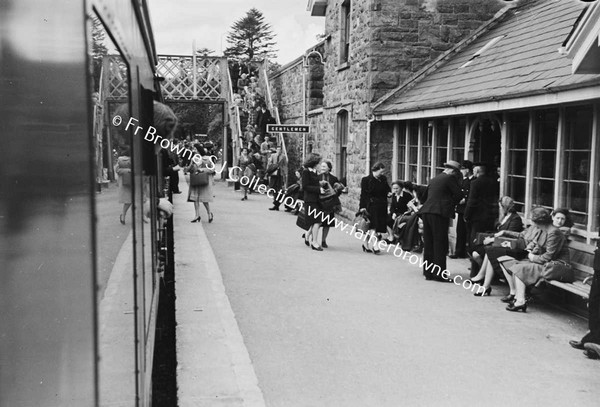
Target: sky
(176,23)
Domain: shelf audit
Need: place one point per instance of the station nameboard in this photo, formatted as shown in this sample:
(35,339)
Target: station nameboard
(288,128)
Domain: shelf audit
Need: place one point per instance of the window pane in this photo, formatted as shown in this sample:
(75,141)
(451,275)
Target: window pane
(516,190)
(545,164)
(543,193)
(546,129)
(517,162)
(578,136)
(519,130)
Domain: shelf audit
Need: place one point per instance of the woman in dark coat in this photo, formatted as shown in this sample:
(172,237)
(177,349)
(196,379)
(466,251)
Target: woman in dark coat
(511,221)
(312,208)
(399,206)
(335,183)
(374,190)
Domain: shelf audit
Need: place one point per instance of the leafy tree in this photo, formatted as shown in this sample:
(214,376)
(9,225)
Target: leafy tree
(251,38)
(99,50)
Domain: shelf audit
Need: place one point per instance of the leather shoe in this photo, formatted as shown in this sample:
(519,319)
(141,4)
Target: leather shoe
(592,350)
(275,208)
(577,344)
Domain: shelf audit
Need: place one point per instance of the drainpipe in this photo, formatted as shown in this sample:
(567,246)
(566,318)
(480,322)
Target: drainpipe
(304,66)
(370,120)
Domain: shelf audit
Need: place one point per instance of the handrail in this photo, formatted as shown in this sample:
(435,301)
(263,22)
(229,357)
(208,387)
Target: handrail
(235,148)
(272,108)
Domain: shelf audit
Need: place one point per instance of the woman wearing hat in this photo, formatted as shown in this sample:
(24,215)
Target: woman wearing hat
(548,244)
(374,190)
(485,256)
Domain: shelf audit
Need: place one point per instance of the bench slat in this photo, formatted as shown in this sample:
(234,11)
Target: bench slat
(573,288)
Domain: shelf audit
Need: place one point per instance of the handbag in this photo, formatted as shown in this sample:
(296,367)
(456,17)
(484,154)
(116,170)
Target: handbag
(509,242)
(362,223)
(558,270)
(199,179)
(301,220)
(126,178)
(272,168)
(480,237)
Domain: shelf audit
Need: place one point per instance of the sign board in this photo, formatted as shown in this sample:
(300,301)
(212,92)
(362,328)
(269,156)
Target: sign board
(288,128)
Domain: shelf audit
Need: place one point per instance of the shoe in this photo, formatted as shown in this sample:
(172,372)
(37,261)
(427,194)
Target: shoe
(275,208)
(245,198)
(516,308)
(121,219)
(444,280)
(366,250)
(376,251)
(305,241)
(592,350)
(487,292)
(196,220)
(210,218)
(577,344)
(176,192)
(475,282)
(317,248)
(510,298)
(324,245)
(453,256)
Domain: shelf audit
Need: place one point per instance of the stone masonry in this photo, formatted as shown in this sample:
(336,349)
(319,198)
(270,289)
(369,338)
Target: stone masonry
(390,40)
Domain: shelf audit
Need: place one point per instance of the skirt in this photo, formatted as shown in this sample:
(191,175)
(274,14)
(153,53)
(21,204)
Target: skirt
(202,193)
(378,216)
(316,217)
(529,273)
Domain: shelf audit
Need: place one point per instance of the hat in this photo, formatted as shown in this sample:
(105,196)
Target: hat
(541,215)
(452,164)
(467,164)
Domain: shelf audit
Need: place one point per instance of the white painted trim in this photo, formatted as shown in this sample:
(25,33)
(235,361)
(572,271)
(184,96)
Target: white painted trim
(529,168)
(395,151)
(504,135)
(559,160)
(546,99)
(594,177)
(434,145)
(419,152)
(406,151)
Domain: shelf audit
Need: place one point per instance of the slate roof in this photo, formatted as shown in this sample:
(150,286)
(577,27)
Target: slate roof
(524,62)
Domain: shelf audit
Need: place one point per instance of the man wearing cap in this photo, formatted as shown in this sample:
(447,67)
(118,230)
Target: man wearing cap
(439,200)
(462,228)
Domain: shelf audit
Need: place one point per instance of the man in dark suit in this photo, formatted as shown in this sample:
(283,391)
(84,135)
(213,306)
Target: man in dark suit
(462,228)
(262,119)
(440,198)
(591,341)
(480,211)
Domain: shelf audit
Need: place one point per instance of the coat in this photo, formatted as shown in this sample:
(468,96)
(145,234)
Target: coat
(441,196)
(482,201)
(373,197)
(466,187)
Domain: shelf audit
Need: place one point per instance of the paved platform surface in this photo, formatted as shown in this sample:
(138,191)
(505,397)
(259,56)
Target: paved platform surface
(347,328)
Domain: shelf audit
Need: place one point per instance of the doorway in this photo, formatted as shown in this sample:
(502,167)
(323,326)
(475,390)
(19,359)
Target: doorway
(485,146)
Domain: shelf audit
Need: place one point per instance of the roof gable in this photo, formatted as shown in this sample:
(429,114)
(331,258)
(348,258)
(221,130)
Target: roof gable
(524,61)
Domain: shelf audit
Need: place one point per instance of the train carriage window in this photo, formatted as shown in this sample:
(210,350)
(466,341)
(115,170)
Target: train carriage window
(110,98)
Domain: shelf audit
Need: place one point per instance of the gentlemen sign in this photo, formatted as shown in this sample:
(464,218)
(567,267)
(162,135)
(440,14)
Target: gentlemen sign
(288,128)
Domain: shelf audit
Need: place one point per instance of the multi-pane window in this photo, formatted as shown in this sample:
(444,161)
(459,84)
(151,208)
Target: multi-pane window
(459,126)
(544,159)
(402,151)
(441,149)
(341,145)
(577,154)
(345,32)
(426,143)
(413,150)
(518,137)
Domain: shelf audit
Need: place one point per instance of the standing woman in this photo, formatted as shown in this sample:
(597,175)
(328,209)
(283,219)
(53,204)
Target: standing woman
(202,193)
(312,188)
(123,168)
(374,190)
(326,176)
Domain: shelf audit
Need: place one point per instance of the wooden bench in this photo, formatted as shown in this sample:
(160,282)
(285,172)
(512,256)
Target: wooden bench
(582,256)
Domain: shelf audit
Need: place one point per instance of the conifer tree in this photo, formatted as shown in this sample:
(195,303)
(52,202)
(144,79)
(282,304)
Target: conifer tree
(251,38)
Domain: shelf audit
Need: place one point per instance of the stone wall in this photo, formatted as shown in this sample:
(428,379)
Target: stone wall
(390,40)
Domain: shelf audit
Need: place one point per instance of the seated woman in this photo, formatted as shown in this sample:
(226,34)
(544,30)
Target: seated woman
(511,221)
(561,218)
(410,225)
(550,244)
(401,196)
